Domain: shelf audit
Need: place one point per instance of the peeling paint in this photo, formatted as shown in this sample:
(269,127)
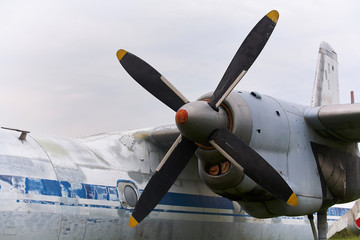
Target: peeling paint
(54,148)
(47,187)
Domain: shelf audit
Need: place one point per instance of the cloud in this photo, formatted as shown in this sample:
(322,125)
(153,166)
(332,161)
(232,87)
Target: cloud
(59,73)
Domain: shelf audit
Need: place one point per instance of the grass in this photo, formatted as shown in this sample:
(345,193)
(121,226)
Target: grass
(345,235)
(347,238)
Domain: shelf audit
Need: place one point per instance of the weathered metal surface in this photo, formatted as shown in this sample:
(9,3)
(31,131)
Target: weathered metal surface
(67,189)
(326,85)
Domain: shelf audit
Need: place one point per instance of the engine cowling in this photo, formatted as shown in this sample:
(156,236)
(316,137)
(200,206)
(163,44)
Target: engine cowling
(229,181)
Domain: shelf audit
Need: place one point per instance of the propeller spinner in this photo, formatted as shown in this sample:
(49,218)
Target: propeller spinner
(205,123)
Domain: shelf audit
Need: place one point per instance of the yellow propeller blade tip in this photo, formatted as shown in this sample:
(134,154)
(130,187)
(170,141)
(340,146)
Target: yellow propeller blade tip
(293,200)
(133,222)
(120,54)
(273,15)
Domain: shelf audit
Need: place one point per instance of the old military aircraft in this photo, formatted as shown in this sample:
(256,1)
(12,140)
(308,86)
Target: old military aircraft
(237,165)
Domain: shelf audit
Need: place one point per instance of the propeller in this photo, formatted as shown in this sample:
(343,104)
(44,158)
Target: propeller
(151,80)
(244,57)
(164,177)
(201,122)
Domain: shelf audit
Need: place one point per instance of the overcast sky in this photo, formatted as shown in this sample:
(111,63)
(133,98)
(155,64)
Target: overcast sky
(59,73)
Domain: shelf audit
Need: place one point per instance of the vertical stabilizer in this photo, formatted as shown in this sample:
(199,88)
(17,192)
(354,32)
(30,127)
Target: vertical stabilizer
(326,85)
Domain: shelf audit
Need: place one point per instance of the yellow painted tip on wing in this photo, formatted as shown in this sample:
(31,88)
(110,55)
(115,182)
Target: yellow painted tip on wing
(133,222)
(293,200)
(120,54)
(273,15)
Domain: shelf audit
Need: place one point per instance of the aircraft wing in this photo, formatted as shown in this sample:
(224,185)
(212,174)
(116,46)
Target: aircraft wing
(341,121)
(345,221)
(164,135)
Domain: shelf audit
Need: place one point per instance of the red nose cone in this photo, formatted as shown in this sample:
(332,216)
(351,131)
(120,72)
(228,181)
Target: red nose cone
(181,116)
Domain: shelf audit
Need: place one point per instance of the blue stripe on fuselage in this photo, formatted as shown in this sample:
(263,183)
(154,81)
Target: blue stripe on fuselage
(189,200)
(48,187)
(56,188)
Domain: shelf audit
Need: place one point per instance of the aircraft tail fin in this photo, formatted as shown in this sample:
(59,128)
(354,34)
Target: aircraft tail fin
(326,85)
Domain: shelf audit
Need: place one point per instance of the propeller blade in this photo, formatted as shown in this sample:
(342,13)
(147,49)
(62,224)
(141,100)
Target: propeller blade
(252,164)
(151,80)
(165,175)
(244,57)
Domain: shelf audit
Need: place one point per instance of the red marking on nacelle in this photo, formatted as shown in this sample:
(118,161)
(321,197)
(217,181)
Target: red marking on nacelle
(357,222)
(181,116)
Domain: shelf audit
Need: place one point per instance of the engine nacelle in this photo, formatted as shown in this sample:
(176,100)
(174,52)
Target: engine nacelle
(263,123)
(216,171)
(229,181)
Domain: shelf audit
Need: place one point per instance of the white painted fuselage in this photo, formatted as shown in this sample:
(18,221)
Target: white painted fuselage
(61,188)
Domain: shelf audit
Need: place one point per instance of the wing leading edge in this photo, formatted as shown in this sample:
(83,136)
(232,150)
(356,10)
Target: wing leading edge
(341,121)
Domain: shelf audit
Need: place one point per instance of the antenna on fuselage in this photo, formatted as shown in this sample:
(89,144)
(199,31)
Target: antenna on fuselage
(22,135)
